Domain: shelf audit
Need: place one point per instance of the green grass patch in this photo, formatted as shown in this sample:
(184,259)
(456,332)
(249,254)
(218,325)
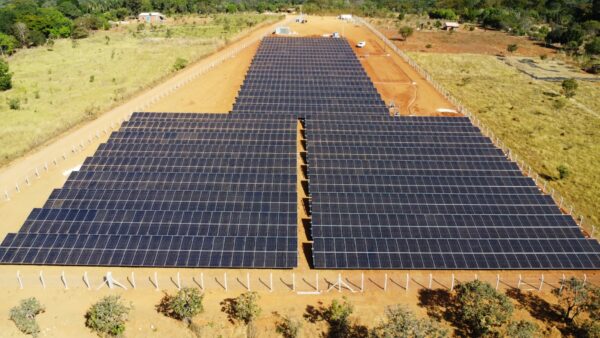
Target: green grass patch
(59,88)
(525,115)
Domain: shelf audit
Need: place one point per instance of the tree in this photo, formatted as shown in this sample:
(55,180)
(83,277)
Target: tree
(337,316)
(5,76)
(245,308)
(288,327)
(108,316)
(402,323)
(405,32)
(481,308)
(511,48)
(8,43)
(522,329)
(185,305)
(576,297)
(24,316)
(563,171)
(21,33)
(593,47)
(569,87)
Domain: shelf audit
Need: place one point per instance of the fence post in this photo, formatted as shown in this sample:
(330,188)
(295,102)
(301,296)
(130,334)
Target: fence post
(519,282)
(452,284)
(430,280)
(178,281)
(156,280)
(293,281)
(132,279)
(20,280)
(541,283)
(248,281)
(362,282)
(317,282)
(64,279)
(497,281)
(86,280)
(407,281)
(42,279)
(270,282)
(202,280)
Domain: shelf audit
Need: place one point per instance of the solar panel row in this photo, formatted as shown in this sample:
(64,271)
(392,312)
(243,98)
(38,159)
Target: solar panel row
(173,190)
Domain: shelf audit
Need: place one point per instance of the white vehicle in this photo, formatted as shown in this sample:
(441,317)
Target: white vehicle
(361,44)
(335,35)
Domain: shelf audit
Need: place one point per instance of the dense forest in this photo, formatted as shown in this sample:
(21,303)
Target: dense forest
(572,25)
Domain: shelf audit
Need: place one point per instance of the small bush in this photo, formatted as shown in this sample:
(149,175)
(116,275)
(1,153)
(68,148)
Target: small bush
(428,45)
(522,329)
(14,103)
(24,316)
(5,76)
(92,78)
(289,328)
(511,48)
(569,87)
(543,57)
(245,307)
(179,64)
(563,171)
(471,28)
(405,32)
(184,305)
(108,316)
(337,316)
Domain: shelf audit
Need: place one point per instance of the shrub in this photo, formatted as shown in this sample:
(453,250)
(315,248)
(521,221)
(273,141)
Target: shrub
(14,103)
(92,78)
(289,328)
(108,316)
(8,43)
(184,305)
(5,76)
(245,308)
(543,57)
(569,87)
(563,171)
(428,45)
(337,316)
(24,316)
(481,308)
(405,32)
(593,47)
(511,48)
(447,14)
(522,329)
(400,322)
(79,32)
(179,64)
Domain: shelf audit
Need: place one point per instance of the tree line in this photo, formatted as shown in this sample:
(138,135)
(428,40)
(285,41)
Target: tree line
(474,309)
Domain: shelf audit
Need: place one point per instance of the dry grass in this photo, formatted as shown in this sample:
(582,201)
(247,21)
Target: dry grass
(523,113)
(71,83)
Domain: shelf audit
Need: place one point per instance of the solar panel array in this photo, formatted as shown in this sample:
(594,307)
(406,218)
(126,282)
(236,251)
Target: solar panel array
(186,190)
(196,190)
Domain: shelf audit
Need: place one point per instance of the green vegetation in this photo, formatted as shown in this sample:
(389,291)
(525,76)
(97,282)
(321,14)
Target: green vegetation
(337,315)
(569,86)
(522,329)
(481,308)
(184,305)
(245,307)
(577,297)
(24,316)
(179,64)
(5,76)
(405,32)
(288,327)
(108,316)
(400,322)
(527,122)
(512,48)
(131,62)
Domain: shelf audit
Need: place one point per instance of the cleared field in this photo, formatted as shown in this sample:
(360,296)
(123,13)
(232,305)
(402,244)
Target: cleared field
(78,81)
(525,115)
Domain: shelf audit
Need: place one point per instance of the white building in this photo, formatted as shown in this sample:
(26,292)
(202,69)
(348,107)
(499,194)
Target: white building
(151,17)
